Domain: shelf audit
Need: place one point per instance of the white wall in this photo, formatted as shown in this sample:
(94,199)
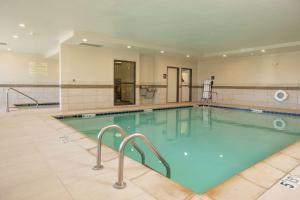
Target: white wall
(18,71)
(277,69)
(163,61)
(15,69)
(147,66)
(91,65)
(154,66)
(267,73)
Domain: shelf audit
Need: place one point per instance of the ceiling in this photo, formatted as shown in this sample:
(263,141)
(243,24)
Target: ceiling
(197,27)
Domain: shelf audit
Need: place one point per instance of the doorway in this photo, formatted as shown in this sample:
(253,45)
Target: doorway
(173,84)
(186,85)
(124,82)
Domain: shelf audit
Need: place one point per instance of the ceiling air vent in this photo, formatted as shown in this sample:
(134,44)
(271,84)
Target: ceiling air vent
(3,43)
(91,45)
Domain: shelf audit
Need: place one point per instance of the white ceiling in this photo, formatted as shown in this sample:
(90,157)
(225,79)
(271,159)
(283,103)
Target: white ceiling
(200,27)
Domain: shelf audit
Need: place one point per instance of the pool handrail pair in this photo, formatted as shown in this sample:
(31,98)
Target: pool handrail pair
(120,184)
(99,144)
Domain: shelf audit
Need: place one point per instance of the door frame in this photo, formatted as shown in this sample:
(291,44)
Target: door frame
(177,86)
(190,84)
(134,95)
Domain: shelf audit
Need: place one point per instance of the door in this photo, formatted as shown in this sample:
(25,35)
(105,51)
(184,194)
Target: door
(173,84)
(186,85)
(124,82)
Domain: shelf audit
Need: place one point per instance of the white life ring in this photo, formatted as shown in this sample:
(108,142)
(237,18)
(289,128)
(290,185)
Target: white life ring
(280,95)
(279,124)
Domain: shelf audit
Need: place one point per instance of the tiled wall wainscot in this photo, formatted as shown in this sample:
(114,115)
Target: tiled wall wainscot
(42,93)
(263,97)
(86,98)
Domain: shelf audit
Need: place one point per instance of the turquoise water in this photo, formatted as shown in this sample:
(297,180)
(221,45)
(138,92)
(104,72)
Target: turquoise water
(204,146)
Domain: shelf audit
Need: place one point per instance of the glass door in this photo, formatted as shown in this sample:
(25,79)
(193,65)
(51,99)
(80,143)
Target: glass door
(124,82)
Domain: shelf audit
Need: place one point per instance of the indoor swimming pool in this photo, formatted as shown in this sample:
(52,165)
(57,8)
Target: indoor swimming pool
(204,146)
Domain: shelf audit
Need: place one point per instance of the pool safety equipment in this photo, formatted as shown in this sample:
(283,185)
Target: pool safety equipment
(104,130)
(279,124)
(280,95)
(207,93)
(120,184)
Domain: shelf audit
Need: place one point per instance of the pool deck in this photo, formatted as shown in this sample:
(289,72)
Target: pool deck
(42,158)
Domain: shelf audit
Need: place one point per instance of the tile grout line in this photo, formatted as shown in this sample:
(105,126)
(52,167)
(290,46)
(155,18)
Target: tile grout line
(54,173)
(252,182)
(285,174)
(142,174)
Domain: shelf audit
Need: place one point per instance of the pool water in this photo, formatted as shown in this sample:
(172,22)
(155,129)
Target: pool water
(203,146)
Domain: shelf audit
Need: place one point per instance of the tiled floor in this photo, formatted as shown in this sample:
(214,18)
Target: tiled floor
(41,158)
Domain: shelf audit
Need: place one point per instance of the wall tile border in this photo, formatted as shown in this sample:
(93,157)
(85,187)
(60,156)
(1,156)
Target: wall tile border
(29,85)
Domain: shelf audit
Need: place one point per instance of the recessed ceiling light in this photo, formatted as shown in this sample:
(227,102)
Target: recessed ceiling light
(15,36)
(263,50)
(129,47)
(84,40)
(162,51)
(22,25)
(8,49)
(188,56)
(31,33)
(224,55)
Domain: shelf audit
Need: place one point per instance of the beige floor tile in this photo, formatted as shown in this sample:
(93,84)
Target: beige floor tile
(280,192)
(293,151)
(52,196)
(144,196)
(160,187)
(263,175)
(132,169)
(90,184)
(282,162)
(236,188)
(106,153)
(73,160)
(86,143)
(21,173)
(201,197)
(75,136)
(34,188)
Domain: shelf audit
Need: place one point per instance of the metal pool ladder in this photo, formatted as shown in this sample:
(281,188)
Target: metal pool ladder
(99,144)
(7,98)
(120,184)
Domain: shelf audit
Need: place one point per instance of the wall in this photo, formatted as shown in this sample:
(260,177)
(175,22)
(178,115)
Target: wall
(253,80)
(30,73)
(87,75)
(154,66)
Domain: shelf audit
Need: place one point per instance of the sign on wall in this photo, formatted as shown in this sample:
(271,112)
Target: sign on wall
(38,68)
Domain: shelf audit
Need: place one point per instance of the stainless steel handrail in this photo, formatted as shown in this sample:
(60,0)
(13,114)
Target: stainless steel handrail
(7,98)
(99,144)
(120,184)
